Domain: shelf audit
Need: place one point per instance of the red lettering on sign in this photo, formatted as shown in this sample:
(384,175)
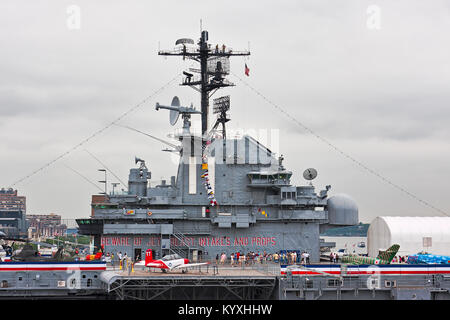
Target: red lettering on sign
(242,241)
(137,241)
(153,241)
(191,241)
(273,241)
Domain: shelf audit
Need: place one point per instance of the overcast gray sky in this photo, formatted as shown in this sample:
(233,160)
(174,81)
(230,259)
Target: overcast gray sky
(371,77)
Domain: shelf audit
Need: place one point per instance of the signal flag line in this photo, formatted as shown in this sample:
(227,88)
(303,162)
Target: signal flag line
(93,156)
(65,165)
(149,135)
(359,163)
(96,133)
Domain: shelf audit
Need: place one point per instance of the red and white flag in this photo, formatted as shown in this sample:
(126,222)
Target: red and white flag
(247,70)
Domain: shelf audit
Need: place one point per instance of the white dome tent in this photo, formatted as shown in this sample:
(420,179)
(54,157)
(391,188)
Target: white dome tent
(409,233)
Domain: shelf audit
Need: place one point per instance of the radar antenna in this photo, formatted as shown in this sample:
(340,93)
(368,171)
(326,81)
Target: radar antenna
(280,162)
(141,162)
(214,66)
(310,174)
(221,106)
(176,109)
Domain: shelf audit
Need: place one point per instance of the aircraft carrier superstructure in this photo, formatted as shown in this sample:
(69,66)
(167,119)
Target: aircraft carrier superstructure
(230,194)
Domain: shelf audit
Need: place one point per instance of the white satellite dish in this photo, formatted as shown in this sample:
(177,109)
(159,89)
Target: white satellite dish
(174,114)
(310,174)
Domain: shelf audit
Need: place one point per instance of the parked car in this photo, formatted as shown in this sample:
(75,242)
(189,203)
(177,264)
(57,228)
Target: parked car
(341,253)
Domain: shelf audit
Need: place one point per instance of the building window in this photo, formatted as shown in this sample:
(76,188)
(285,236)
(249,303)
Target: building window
(390,283)
(334,283)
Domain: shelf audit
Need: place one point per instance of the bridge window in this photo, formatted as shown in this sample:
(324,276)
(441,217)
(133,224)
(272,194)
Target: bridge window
(288,195)
(284,176)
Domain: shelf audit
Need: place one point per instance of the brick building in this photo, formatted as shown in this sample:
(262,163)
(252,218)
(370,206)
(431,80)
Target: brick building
(12,213)
(46,225)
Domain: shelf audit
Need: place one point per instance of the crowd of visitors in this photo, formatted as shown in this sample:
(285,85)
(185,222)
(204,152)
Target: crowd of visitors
(251,257)
(239,258)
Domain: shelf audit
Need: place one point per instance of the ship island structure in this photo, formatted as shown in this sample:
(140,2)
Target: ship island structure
(229,194)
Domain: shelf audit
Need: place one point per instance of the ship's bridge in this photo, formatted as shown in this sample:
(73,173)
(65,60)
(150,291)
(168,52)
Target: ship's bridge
(278,178)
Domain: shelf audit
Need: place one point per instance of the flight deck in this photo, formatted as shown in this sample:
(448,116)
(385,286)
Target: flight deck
(204,282)
(281,282)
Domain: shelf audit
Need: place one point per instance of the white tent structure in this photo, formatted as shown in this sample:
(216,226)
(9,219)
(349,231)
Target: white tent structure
(413,234)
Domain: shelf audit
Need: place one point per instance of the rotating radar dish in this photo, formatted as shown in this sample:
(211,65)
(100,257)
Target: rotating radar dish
(174,114)
(184,41)
(310,174)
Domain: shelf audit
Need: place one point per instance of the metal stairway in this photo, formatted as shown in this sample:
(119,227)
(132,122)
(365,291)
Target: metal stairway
(183,249)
